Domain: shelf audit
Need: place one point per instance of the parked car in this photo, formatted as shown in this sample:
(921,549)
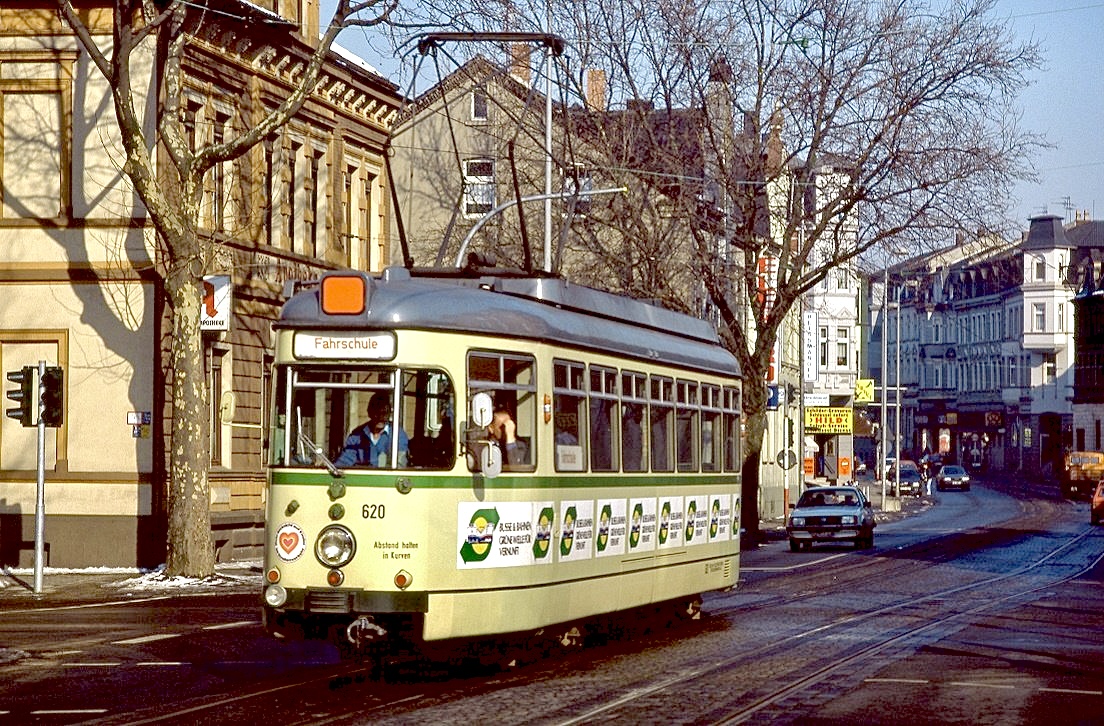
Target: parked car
(831,514)
(912,482)
(1097,512)
(952,476)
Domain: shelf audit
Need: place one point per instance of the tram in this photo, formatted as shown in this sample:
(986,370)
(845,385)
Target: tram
(480,452)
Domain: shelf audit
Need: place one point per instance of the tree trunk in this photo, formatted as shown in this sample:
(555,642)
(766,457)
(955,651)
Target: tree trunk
(191,551)
(755,407)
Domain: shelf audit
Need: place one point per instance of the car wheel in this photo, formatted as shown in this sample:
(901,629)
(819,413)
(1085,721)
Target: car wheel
(794,545)
(1095,519)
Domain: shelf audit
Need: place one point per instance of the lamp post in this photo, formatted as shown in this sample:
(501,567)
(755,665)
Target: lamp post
(897,381)
(885,344)
(897,400)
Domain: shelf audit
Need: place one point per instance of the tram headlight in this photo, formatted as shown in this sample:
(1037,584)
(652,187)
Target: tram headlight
(335,546)
(275,595)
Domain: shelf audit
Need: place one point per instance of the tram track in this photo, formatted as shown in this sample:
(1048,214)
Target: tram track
(346,693)
(857,624)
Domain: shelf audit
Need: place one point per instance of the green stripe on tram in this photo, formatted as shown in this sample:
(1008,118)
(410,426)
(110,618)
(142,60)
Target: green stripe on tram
(505,482)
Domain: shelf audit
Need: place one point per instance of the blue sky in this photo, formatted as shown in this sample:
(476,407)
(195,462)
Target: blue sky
(1066,104)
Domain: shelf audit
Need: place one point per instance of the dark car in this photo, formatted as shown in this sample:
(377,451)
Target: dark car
(831,514)
(1097,504)
(912,482)
(952,476)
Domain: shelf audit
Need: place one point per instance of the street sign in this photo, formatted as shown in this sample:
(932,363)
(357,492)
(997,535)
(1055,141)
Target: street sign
(864,390)
(786,459)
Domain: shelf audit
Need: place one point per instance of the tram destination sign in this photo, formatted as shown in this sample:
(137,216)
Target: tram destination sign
(829,420)
(337,344)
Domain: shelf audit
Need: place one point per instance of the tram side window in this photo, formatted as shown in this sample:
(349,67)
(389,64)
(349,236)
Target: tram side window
(510,379)
(569,415)
(634,409)
(711,436)
(603,419)
(662,422)
(732,412)
(429,416)
(686,425)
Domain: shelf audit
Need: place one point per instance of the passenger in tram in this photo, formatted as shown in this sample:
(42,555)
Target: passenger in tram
(370,443)
(503,429)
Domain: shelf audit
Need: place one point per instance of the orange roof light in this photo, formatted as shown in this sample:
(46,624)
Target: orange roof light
(343,295)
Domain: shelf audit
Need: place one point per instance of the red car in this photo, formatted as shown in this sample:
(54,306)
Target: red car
(1097,514)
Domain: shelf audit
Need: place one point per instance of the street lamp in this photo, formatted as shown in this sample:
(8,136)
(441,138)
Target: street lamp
(897,382)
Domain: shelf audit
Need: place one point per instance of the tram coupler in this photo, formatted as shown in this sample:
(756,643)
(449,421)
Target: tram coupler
(364,630)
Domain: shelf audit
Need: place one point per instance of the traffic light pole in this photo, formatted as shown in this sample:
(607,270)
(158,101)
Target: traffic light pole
(40,491)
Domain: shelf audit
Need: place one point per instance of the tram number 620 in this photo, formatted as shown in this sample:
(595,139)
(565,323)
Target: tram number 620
(373,511)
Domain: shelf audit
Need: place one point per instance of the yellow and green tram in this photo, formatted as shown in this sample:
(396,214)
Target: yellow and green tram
(615,484)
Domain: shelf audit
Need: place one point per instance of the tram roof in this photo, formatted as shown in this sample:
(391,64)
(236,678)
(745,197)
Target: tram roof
(513,304)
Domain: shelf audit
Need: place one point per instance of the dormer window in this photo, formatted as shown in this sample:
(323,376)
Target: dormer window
(1040,268)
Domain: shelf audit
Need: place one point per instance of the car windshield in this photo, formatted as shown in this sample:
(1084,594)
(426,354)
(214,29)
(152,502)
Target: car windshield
(828,498)
(953,471)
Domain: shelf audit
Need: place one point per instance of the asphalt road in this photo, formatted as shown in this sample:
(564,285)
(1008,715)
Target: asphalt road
(980,607)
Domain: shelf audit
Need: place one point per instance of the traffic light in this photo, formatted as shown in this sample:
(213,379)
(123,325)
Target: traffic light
(789,432)
(53,396)
(24,396)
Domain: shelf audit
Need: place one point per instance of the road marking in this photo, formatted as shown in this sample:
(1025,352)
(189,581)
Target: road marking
(798,566)
(67,711)
(1005,686)
(162,663)
(146,639)
(915,681)
(1075,691)
(227,626)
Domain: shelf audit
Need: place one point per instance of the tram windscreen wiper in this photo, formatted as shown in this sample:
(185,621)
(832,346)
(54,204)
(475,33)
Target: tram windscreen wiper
(312,449)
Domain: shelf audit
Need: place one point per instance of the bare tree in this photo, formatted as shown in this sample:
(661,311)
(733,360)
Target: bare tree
(814,133)
(148,45)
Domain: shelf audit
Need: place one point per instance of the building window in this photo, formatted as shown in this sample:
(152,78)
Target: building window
(823,335)
(218,177)
(311,217)
(1061,318)
(215,395)
(1050,367)
(1038,311)
(842,347)
(479,104)
(1040,268)
(269,191)
(34,141)
(291,184)
(479,187)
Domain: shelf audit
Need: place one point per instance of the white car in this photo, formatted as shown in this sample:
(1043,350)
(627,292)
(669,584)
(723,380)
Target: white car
(831,514)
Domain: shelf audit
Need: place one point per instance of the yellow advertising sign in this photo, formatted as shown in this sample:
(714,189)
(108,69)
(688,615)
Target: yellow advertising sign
(864,390)
(829,420)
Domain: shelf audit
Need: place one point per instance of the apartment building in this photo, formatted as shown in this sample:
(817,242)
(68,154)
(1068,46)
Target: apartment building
(81,268)
(987,350)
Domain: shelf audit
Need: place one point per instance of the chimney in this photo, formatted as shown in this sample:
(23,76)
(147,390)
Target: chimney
(596,89)
(519,62)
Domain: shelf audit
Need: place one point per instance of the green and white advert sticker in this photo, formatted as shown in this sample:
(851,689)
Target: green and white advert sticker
(506,534)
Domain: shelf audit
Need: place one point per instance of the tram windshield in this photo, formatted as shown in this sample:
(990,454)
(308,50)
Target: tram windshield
(353,418)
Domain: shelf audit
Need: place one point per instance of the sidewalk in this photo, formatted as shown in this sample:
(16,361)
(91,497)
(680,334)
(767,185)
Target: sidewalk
(86,587)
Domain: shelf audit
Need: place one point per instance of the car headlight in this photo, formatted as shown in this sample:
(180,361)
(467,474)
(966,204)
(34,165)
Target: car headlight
(797,521)
(848,519)
(335,546)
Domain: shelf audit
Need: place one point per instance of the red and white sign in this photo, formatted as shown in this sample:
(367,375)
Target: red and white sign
(214,313)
